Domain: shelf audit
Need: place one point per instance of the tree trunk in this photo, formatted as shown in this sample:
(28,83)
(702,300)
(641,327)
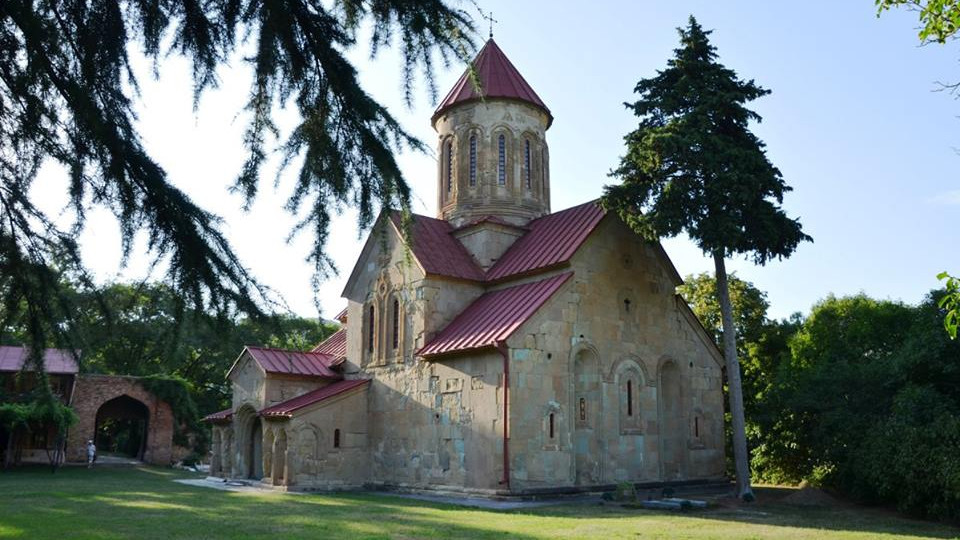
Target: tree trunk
(740,457)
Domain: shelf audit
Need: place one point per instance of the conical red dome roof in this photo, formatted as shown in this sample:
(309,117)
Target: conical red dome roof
(498,79)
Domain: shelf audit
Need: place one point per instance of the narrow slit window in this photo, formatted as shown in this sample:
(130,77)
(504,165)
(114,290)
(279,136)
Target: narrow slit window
(502,160)
(371,325)
(395,333)
(543,168)
(583,410)
(473,160)
(551,426)
(449,164)
(629,398)
(696,426)
(526,162)
(336,438)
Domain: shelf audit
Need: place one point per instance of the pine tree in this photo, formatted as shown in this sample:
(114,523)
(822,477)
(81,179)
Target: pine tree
(67,95)
(692,165)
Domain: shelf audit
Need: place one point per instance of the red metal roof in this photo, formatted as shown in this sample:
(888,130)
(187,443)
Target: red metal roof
(552,239)
(493,317)
(55,361)
(437,250)
(498,78)
(335,345)
(219,416)
(342,316)
(288,407)
(312,364)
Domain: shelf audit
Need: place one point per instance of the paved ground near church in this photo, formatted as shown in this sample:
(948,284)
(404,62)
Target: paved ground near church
(144,503)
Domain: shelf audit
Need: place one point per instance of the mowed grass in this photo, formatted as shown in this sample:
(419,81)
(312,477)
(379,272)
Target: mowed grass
(144,503)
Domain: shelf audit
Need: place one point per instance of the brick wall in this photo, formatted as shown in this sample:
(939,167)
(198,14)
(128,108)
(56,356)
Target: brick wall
(93,391)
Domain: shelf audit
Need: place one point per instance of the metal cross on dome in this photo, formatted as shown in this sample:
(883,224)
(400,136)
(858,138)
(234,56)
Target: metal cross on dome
(491,20)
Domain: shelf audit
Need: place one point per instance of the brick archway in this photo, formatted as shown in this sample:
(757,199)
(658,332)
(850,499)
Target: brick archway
(92,391)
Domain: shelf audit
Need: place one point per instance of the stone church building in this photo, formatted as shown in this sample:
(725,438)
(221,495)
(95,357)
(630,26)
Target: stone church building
(499,349)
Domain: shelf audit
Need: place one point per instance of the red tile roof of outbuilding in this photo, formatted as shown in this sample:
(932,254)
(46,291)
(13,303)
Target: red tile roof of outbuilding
(335,345)
(493,317)
(498,78)
(55,361)
(437,250)
(219,416)
(287,408)
(279,361)
(552,239)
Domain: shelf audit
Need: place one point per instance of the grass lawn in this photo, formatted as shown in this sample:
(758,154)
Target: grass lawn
(144,503)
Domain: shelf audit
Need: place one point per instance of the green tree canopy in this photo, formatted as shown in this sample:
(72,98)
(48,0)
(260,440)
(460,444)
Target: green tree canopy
(868,404)
(693,165)
(749,307)
(67,95)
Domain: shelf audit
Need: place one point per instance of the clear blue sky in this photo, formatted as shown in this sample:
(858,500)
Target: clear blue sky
(853,123)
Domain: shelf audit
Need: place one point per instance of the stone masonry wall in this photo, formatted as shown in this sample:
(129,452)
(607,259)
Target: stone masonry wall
(617,319)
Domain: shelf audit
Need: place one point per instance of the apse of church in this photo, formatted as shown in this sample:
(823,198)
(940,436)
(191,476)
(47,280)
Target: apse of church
(497,348)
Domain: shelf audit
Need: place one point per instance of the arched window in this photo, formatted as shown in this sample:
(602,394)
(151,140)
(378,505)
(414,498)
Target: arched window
(473,160)
(526,162)
(371,327)
(552,431)
(395,329)
(336,438)
(449,164)
(501,160)
(630,387)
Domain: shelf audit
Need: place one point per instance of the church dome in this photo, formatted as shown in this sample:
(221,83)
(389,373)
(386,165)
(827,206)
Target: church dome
(497,79)
(493,155)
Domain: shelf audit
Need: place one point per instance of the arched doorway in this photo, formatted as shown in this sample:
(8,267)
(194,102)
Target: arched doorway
(255,450)
(121,428)
(587,417)
(673,432)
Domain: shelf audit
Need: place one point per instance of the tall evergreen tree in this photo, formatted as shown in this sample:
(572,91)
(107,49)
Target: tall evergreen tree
(68,91)
(692,165)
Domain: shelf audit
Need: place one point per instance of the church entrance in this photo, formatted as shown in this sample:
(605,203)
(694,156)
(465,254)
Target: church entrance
(673,439)
(587,414)
(255,451)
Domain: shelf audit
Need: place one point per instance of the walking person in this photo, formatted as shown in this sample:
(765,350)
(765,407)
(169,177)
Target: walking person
(91,453)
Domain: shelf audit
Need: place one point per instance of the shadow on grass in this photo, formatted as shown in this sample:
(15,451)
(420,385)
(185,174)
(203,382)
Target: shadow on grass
(771,511)
(144,503)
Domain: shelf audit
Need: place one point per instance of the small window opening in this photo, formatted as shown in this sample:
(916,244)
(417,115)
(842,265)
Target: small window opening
(629,398)
(526,162)
(626,305)
(395,336)
(696,426)
(502,160)
(551,425)
(371,326)
(583,410)
(336,438)
(473,160)
(449,167)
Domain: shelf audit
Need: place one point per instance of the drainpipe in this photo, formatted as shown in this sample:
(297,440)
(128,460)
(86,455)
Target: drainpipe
(502,349)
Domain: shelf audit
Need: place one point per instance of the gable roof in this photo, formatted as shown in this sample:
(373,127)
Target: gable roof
(55,361)
(552,239)
(498,78)
(284,362)
(335,346)
(437,251)
(287,408)
(493,317)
